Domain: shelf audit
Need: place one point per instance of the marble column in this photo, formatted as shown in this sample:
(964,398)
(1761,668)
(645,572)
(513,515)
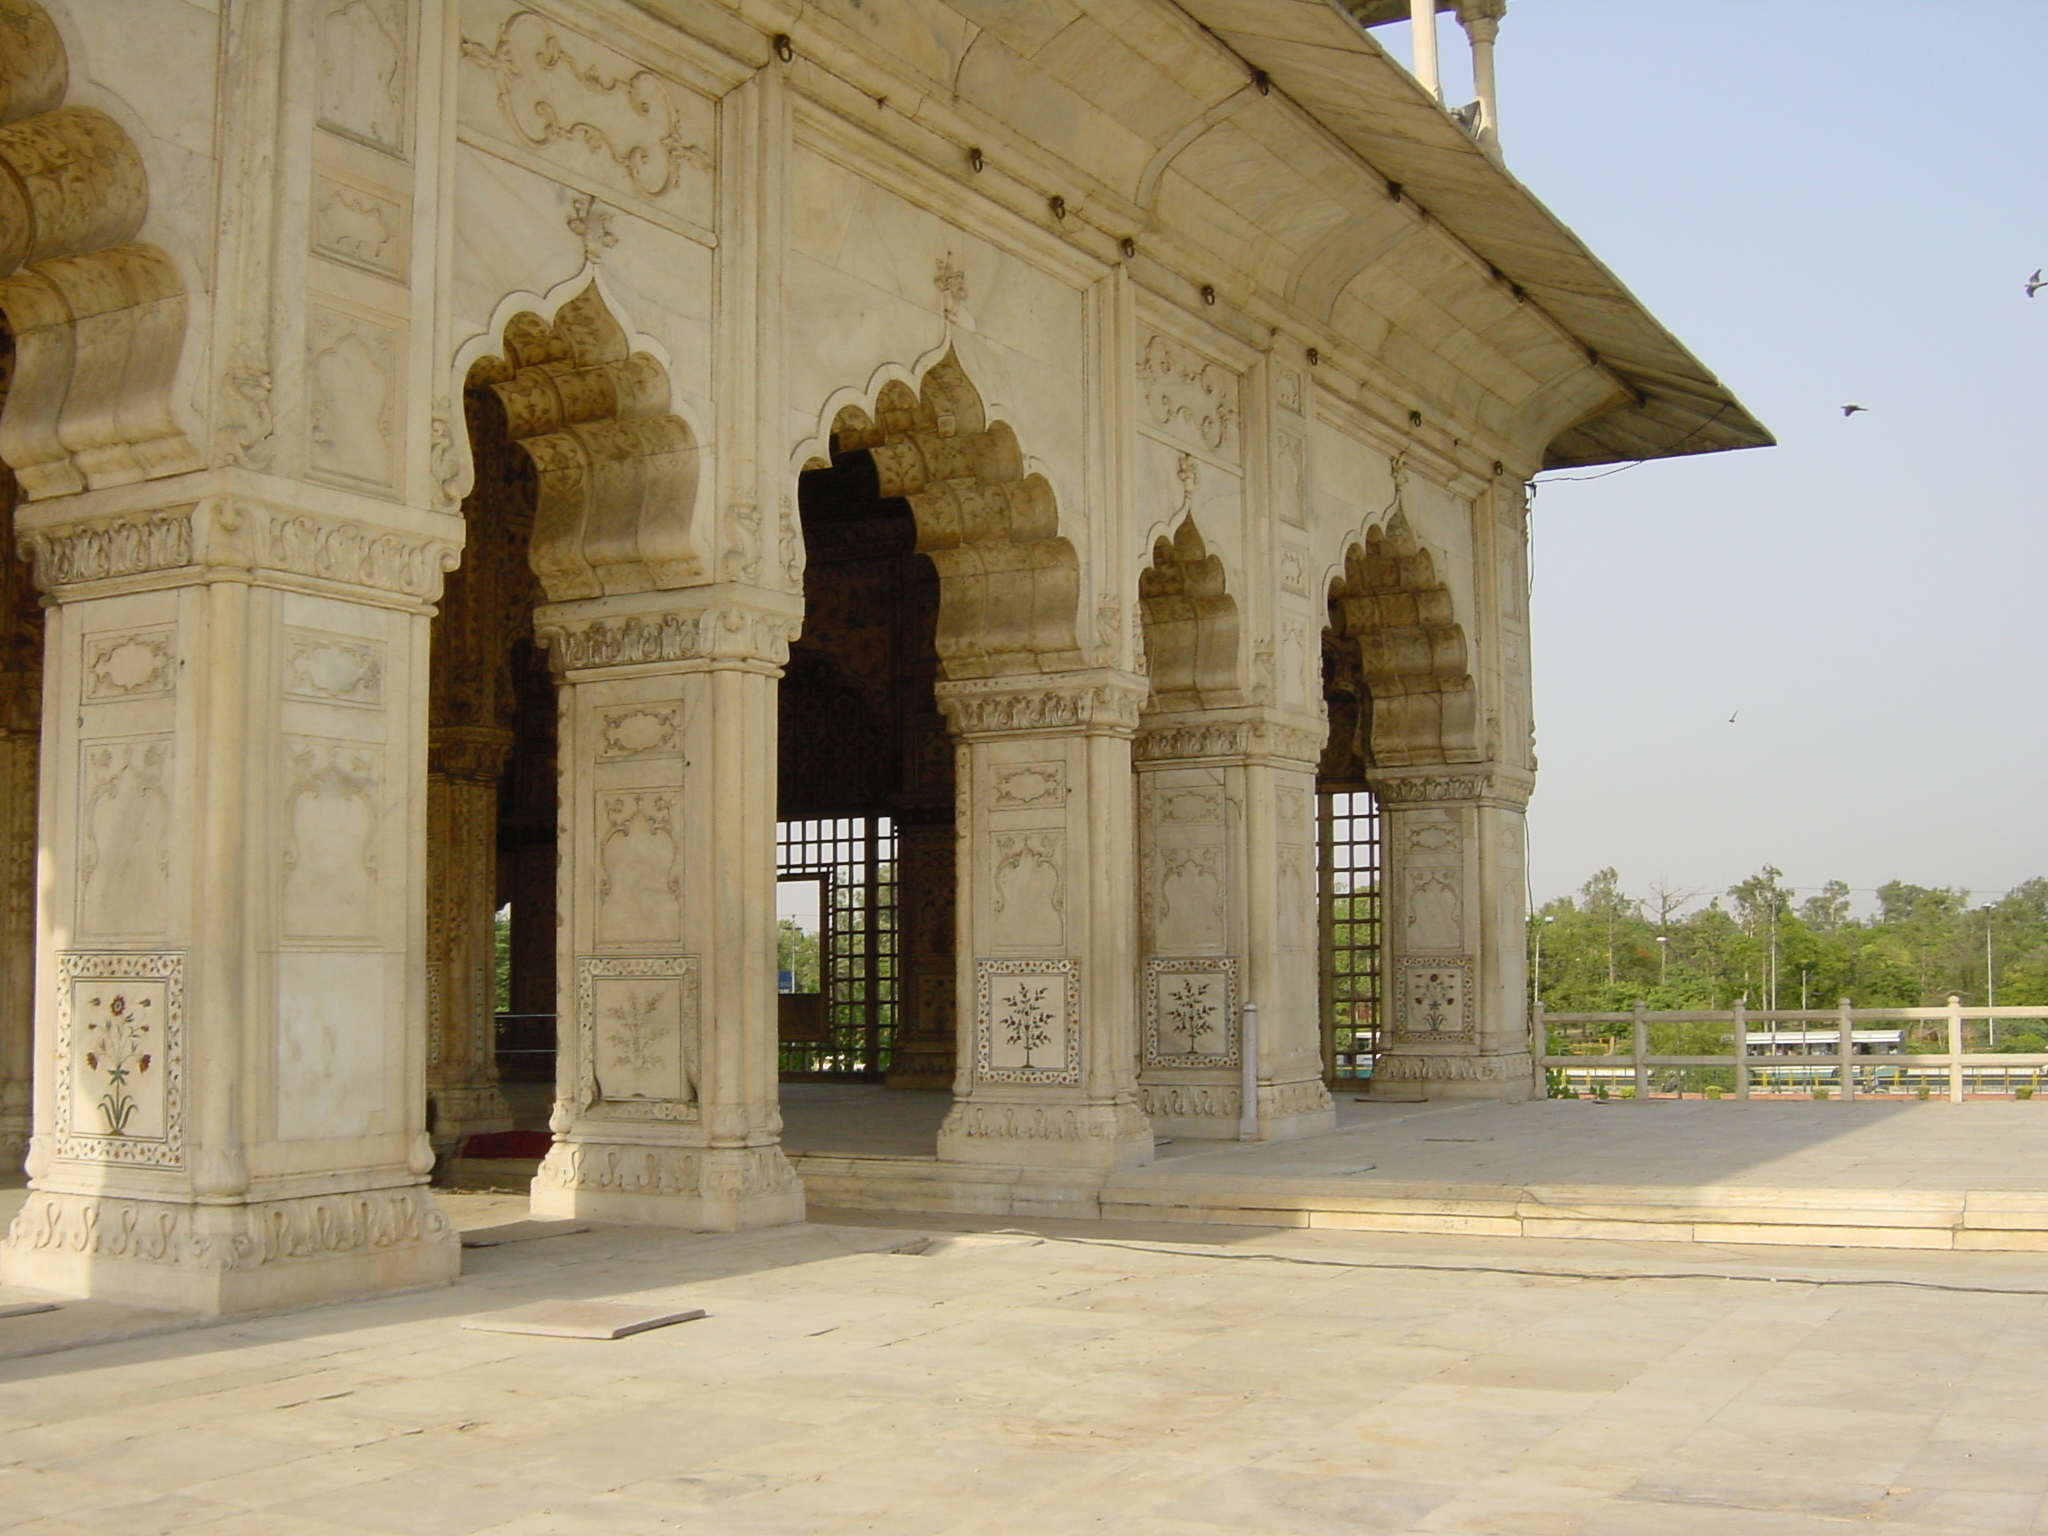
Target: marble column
(230,993)
(1454,844)
(1227,882)
(928,971)
(1047,1073)
(666,1094)
(20,740)
(464,765)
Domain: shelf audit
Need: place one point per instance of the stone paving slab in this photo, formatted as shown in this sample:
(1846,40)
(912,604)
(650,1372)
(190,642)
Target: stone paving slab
(1107,1376)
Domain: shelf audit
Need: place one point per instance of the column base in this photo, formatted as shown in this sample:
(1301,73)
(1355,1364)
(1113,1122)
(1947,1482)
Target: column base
(1210,1111)
(921,1062)
(231,1258)
(471,1109)
(1028,1134)
(700,1189)
(1405,1078)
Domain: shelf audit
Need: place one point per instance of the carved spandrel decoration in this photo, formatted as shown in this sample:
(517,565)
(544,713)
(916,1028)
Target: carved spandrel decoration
(1290,477)
(124,837)
(323,668)
(1027,1026)
(562,96)
(1434,910)
(1028,901)
(120,1058)
(639,877)
(353,374)
(1191,1013)
(333,796)
(1189,396)
(1433,1000)
(1185,899)
(361,90)
(638,1028)
(129,664)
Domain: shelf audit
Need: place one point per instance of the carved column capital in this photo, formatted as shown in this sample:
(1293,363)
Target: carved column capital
(1288,738)
(721,625)
(471,754)
(142,546)
(1453,784)
(1481,18)
(1098,701)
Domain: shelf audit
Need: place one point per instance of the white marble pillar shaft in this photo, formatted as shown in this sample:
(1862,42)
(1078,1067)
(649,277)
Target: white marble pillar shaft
(665,1103)
(1048,1038)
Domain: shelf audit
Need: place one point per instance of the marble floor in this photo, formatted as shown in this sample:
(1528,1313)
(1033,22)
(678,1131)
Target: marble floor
(1072,1377)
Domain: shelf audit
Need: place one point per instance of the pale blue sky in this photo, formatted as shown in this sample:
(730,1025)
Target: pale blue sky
(1830,203)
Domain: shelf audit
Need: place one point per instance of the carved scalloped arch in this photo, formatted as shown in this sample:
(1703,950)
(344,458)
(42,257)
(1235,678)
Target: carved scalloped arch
(1009,584)
(98,317)
(1190,623)
(1412,655)
(615,468)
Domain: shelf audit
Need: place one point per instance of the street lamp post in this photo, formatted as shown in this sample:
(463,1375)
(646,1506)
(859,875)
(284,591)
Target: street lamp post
(1990,976)
(1663,956)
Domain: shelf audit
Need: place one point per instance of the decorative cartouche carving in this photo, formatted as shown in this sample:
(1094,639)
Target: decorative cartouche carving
(630,123)
(1188,393)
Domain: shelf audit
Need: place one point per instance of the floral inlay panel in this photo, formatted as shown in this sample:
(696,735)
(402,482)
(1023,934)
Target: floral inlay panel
(1027,1026)
(121,1058)
(1191,1012)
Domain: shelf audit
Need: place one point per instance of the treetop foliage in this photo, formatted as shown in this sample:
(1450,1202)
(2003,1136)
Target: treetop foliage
(1606,950)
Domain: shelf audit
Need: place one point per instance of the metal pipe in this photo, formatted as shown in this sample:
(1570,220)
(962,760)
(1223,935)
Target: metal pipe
(1248,1074)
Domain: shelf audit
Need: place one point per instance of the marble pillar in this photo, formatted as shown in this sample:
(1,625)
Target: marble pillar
(1047,1073)
(229,1062)
(666,1096)
(1227,881)
(1454,843)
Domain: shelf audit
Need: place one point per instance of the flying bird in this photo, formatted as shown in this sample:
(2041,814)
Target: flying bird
(1851,410)
(2034,283)
(1731,718)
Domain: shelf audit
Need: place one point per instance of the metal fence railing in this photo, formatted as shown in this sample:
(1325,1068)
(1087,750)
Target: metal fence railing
(1840,1052)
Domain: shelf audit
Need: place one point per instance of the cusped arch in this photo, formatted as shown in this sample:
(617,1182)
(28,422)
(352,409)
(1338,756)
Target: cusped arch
(1189,622)
(1009,583)
(98,318)
(1390,604)
(615,468)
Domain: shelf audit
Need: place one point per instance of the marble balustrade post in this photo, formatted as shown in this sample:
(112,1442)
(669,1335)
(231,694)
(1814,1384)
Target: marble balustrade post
(666,1090)
(1227,883)
(1454,968)
(1047,1073)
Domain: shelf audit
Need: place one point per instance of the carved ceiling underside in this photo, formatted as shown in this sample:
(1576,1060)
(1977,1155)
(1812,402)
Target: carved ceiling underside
(98,316)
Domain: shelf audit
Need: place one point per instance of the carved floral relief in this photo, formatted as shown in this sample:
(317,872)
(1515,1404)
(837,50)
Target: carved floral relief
(638,1028)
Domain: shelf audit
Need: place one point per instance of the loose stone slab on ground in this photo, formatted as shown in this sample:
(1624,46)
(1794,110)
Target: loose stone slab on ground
(580,1319)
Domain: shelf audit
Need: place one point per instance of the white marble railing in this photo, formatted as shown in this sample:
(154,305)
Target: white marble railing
(1835,1052)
